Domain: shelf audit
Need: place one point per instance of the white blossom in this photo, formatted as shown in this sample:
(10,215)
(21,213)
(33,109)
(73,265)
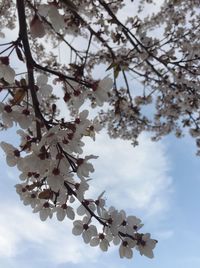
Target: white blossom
(85,229)
(146,246)
(12,154)
(102,240)
(7,73)
(37,27)
(64,210)
(125,249)
(101,90)
(85,168)
(45,210)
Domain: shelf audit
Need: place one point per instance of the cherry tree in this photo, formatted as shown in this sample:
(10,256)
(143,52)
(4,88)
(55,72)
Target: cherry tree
(149,52)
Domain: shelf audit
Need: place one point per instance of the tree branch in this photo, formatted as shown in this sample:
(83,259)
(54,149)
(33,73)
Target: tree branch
(23,35)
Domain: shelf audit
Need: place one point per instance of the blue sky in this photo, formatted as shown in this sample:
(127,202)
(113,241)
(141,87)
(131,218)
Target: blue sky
(158,182)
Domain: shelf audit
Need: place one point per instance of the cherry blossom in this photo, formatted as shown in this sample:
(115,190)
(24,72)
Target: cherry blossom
(125,249)
(64,210)
(36,27)
(85,229)
(53,14)
(6,72)
(101,90)
(102,240)
(78,67)
(12,154)
(84,168)
(133,224)
(146,246)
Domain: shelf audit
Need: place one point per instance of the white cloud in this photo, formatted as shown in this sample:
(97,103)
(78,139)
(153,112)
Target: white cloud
(19,229)
(134,178)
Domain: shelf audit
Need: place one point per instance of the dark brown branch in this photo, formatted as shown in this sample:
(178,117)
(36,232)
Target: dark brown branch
(61,75)
(29,63)
(85,206)
(127,86)
(87,51)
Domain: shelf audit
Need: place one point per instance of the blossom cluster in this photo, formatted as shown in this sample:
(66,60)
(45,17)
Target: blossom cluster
(145,66)
(54,176)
